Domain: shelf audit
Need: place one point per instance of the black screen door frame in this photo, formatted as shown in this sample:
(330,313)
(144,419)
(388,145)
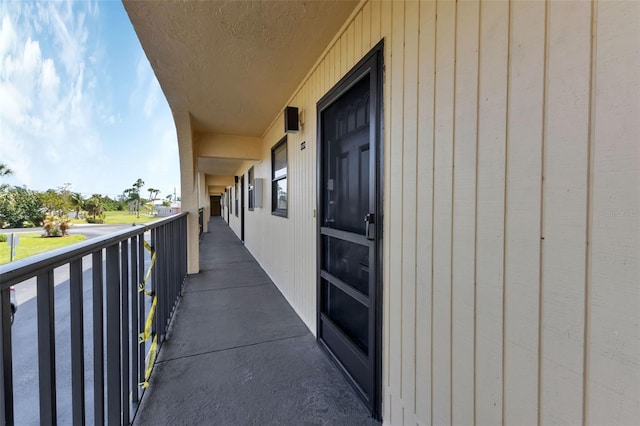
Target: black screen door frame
(371,64)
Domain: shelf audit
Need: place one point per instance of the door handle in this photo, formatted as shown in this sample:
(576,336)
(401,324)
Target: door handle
(370,226)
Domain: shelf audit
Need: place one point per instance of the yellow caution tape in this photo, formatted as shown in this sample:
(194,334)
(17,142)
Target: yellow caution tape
(151,359)
(146,334)
(143,284)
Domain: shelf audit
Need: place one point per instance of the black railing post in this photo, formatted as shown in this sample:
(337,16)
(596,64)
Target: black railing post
(124,328)
(77,341)
(113,336)
(46,348)
(154,280)
(162,283)
(98,339)
(141,314)
(134,319)
(6,389)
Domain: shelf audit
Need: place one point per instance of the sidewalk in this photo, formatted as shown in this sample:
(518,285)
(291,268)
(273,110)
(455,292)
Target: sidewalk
(237,353)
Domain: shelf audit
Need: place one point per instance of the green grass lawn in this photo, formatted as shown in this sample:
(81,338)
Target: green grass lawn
(33,243)
(113,218)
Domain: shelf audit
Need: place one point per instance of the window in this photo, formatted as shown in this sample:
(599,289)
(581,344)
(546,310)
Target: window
(279,178)
(251,190)
(230,203)
(237,193)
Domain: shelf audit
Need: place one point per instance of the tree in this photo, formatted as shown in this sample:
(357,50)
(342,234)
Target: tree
(153,194)
(20,208)
(4,170)
(55,202)
(77,201)
(94,205)
(133,194)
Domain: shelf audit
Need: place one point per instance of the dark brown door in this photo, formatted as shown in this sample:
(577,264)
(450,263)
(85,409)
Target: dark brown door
(215,205)
(349,226)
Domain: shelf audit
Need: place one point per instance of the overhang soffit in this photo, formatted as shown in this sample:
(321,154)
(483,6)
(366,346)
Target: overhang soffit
(228,146)
(233,64)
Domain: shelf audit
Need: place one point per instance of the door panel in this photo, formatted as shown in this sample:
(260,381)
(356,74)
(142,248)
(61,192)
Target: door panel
(349,205)
(348,262)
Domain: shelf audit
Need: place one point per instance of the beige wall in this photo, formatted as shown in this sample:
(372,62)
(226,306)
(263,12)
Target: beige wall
(512,208)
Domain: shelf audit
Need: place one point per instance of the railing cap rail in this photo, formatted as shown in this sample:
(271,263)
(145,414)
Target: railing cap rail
(23,269)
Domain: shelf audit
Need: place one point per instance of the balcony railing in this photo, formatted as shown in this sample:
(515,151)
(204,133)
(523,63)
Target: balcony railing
(128,305)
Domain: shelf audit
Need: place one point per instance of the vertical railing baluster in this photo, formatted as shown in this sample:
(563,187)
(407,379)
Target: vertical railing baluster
(165,283)
(124,328)
(77,341)
(113,336)
(184,245)
(134,319)
(141,310)
(154,281)
(6,389)
(162,277)
(98,339)
(46,348)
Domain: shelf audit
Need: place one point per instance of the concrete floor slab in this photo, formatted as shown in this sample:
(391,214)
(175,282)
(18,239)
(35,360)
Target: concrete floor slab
(222,319)
(286,382)
(228,275)
(237,353)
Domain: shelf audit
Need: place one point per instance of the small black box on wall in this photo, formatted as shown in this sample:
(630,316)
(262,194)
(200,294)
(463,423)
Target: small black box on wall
(291,124)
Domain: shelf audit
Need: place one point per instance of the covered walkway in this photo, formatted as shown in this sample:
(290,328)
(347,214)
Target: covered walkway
(238,354)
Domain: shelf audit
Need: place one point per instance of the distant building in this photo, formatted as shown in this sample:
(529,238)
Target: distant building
(163,211)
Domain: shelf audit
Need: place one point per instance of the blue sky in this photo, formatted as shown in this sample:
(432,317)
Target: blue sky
(79,102)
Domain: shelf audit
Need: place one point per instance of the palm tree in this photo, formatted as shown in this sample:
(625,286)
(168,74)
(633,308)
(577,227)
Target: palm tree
(153,194)
(94,205)
(4,170)
(134,194)
(76,201)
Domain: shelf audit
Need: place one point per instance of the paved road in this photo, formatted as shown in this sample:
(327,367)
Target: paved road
(24,337)
(27,290)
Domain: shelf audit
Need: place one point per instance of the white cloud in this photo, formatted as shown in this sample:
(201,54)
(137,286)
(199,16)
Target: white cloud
(8,36)
(47,121)
(58,118)
(49,81)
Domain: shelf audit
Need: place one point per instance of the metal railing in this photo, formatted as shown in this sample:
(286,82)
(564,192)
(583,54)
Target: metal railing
(119,263)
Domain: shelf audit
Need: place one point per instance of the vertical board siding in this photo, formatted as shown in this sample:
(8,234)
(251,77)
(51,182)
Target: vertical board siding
(424,198)
(409,210)
(490,210)
(511,233)
(382,17)
(442,209)
(464,184)
(524,180)
(613,346)
(564,210)
(396,124)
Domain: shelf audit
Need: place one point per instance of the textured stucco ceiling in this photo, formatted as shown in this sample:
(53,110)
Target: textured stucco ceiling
(232,65)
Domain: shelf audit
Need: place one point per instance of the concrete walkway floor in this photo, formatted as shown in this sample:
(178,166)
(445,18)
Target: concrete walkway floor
(237,353)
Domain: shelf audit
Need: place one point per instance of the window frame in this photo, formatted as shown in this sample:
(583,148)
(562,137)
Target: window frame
(236,194)
(274,181)
(251,188)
